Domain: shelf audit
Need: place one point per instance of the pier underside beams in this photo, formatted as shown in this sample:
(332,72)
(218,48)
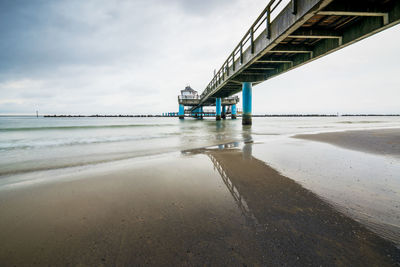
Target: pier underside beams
(301,32)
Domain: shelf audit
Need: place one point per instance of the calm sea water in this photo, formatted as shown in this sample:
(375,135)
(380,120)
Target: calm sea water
(29,144)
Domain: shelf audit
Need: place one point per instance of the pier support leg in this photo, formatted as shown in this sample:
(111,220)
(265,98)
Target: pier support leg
(223,115)
(195,113)
(218,109)
(181,112)
(201,112)
(234,111)
(246,98)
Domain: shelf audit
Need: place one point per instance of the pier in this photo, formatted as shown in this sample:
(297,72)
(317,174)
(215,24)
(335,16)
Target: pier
(302,31)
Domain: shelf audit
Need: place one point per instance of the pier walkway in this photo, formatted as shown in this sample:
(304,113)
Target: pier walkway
(286,37)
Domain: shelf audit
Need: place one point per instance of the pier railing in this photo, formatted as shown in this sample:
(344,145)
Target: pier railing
(262,23)
(195,100)
(188,97)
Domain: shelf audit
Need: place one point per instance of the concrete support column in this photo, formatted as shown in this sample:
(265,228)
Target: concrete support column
(181,112)
(234,112)
(246,98)
(223,115)
(194,113)
(218,109)
(201,112)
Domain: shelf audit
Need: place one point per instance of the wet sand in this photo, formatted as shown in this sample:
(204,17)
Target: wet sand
(204,207)
(382,141)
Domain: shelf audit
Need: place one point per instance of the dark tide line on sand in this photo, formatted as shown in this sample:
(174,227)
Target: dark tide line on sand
(376,141)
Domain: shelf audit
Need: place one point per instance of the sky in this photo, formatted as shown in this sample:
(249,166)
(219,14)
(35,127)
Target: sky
(134,57)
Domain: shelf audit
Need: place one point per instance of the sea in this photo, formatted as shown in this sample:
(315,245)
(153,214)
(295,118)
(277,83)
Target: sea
(364,186)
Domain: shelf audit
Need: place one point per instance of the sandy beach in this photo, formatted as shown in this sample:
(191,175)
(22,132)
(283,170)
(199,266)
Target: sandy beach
(212,206)
(381,142)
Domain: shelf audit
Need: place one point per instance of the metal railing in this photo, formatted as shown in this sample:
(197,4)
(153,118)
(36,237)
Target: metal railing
(188,97)
(245,42)
(184,97)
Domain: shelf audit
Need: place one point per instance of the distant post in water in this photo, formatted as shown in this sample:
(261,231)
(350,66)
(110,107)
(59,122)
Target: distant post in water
(234,111)
(246,98)
(218,108)
(181,112)
(223,115)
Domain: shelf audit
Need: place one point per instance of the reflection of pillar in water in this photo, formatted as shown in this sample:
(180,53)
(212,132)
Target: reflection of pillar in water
(218,125)
(247,150)
(248,142)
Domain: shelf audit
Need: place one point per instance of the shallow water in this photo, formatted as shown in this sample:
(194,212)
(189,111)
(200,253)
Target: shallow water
(218,206)
(364,186)
(29,143)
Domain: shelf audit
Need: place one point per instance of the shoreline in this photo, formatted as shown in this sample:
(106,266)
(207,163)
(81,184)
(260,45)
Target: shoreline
(205,206)
(164,116)
(382,141)
(215,205)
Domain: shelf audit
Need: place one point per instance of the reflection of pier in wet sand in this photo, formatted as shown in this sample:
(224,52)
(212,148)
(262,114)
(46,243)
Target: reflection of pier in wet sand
(292,224)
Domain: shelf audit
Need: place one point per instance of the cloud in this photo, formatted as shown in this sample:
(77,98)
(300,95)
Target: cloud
(102,56)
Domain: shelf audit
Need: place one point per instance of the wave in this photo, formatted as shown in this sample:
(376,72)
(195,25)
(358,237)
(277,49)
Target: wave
(78,127)
(94,159)
(355,122)
(82,141)
(68,164)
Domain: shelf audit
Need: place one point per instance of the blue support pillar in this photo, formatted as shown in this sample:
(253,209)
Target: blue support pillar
(218,109)
(234,112)
(201,112)
(246,98)
(223,115)
(181,112)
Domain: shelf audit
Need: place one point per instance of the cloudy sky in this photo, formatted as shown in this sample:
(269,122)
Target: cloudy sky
(130,57)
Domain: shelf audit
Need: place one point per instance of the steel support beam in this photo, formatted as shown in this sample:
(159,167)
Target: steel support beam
(274,61)
(385,16)
(315,34)
(290,49)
